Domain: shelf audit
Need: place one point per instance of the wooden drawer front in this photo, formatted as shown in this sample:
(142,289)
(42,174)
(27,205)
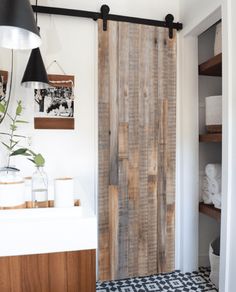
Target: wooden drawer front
(54,272)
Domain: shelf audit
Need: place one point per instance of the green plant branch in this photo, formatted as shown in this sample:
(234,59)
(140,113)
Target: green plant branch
(13,128)
(12,146)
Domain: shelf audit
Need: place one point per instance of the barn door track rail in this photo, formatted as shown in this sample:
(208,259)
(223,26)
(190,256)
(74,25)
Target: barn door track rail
(105,15)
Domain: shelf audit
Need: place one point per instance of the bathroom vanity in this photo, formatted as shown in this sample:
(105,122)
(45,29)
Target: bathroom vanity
(48,250)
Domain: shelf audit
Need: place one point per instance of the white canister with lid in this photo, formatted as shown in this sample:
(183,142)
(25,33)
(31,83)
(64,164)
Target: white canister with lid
(12,189)
(64,192)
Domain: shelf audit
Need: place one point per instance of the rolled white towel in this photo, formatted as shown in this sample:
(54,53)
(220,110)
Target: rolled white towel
(216,199)
(207,197)
(213,170)
(214,186)
(205,184)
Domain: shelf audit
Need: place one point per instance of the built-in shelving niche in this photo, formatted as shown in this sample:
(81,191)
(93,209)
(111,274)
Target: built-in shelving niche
(212,67)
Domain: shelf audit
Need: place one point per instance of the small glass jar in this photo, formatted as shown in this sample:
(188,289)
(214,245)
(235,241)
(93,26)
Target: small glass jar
(40,188)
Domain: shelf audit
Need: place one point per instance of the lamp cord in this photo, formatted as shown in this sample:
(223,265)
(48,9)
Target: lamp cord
(58,65)
(36,13)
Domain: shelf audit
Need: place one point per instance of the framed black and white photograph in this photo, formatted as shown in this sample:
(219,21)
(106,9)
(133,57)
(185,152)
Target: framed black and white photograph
(54,106)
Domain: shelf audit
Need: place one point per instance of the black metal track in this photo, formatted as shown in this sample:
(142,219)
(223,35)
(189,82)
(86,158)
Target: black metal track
(66,12)
(96,15)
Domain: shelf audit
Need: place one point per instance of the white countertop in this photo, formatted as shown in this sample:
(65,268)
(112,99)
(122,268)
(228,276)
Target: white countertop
(46,230)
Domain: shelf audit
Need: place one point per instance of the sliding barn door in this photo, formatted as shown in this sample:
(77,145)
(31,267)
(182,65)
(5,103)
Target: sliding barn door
(137,130)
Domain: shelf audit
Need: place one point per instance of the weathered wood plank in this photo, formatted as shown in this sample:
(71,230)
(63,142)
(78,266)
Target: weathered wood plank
(171,155)
(113,229)
(104,153)
(143,111)
(152,224)
(124,71)
(113,94)
(162,179)
(123,215)
(133,144)
(152,157)
(123,151)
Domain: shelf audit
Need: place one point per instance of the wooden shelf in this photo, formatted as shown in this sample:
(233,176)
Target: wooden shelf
(216,138)
(212,67)
(210,211)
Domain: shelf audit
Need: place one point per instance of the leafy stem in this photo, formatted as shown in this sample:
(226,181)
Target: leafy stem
(14,139)
(13,128)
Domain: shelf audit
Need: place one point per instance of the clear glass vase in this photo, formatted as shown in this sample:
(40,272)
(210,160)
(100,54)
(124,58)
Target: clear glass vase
(40,188)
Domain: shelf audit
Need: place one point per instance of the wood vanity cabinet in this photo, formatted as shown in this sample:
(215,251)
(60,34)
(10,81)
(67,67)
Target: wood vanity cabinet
(52,272)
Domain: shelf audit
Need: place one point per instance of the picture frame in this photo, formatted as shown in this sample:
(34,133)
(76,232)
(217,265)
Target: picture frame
(54,106)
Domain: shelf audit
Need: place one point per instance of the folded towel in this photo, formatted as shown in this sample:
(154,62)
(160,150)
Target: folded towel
(210,189)
(211,185)
(205,183)
(203,188)
(213,170)
(216,199)
(214,186)
(207,197)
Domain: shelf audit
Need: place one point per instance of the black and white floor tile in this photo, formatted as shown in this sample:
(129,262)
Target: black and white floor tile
(172,282)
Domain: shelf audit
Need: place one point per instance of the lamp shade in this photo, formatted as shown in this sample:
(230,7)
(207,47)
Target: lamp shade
(35,75)
(18,29)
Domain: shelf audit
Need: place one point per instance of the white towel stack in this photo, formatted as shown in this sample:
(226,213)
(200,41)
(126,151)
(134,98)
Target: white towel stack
(211,185)
(214,110)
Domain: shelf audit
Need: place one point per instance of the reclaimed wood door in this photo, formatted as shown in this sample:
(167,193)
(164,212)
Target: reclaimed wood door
(137,133)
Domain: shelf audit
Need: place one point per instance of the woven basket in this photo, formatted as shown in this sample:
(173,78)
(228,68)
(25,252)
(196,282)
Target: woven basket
(214,254)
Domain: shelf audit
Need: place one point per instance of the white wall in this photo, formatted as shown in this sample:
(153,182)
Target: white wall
(73,43)
(156,9)
(228,252)
(192,10)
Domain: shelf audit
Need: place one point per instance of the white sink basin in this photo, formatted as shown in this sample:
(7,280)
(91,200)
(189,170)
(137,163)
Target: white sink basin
(46,230)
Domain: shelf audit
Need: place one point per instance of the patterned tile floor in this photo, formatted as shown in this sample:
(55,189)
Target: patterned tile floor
(172,282)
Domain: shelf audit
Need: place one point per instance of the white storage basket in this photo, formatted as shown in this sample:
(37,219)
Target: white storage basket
(214,254)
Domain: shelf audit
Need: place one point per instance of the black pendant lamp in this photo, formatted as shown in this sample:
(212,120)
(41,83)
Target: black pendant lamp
(35,75)
(18,29)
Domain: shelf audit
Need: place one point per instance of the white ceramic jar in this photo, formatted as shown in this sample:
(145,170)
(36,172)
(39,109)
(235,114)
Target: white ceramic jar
(12,190)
